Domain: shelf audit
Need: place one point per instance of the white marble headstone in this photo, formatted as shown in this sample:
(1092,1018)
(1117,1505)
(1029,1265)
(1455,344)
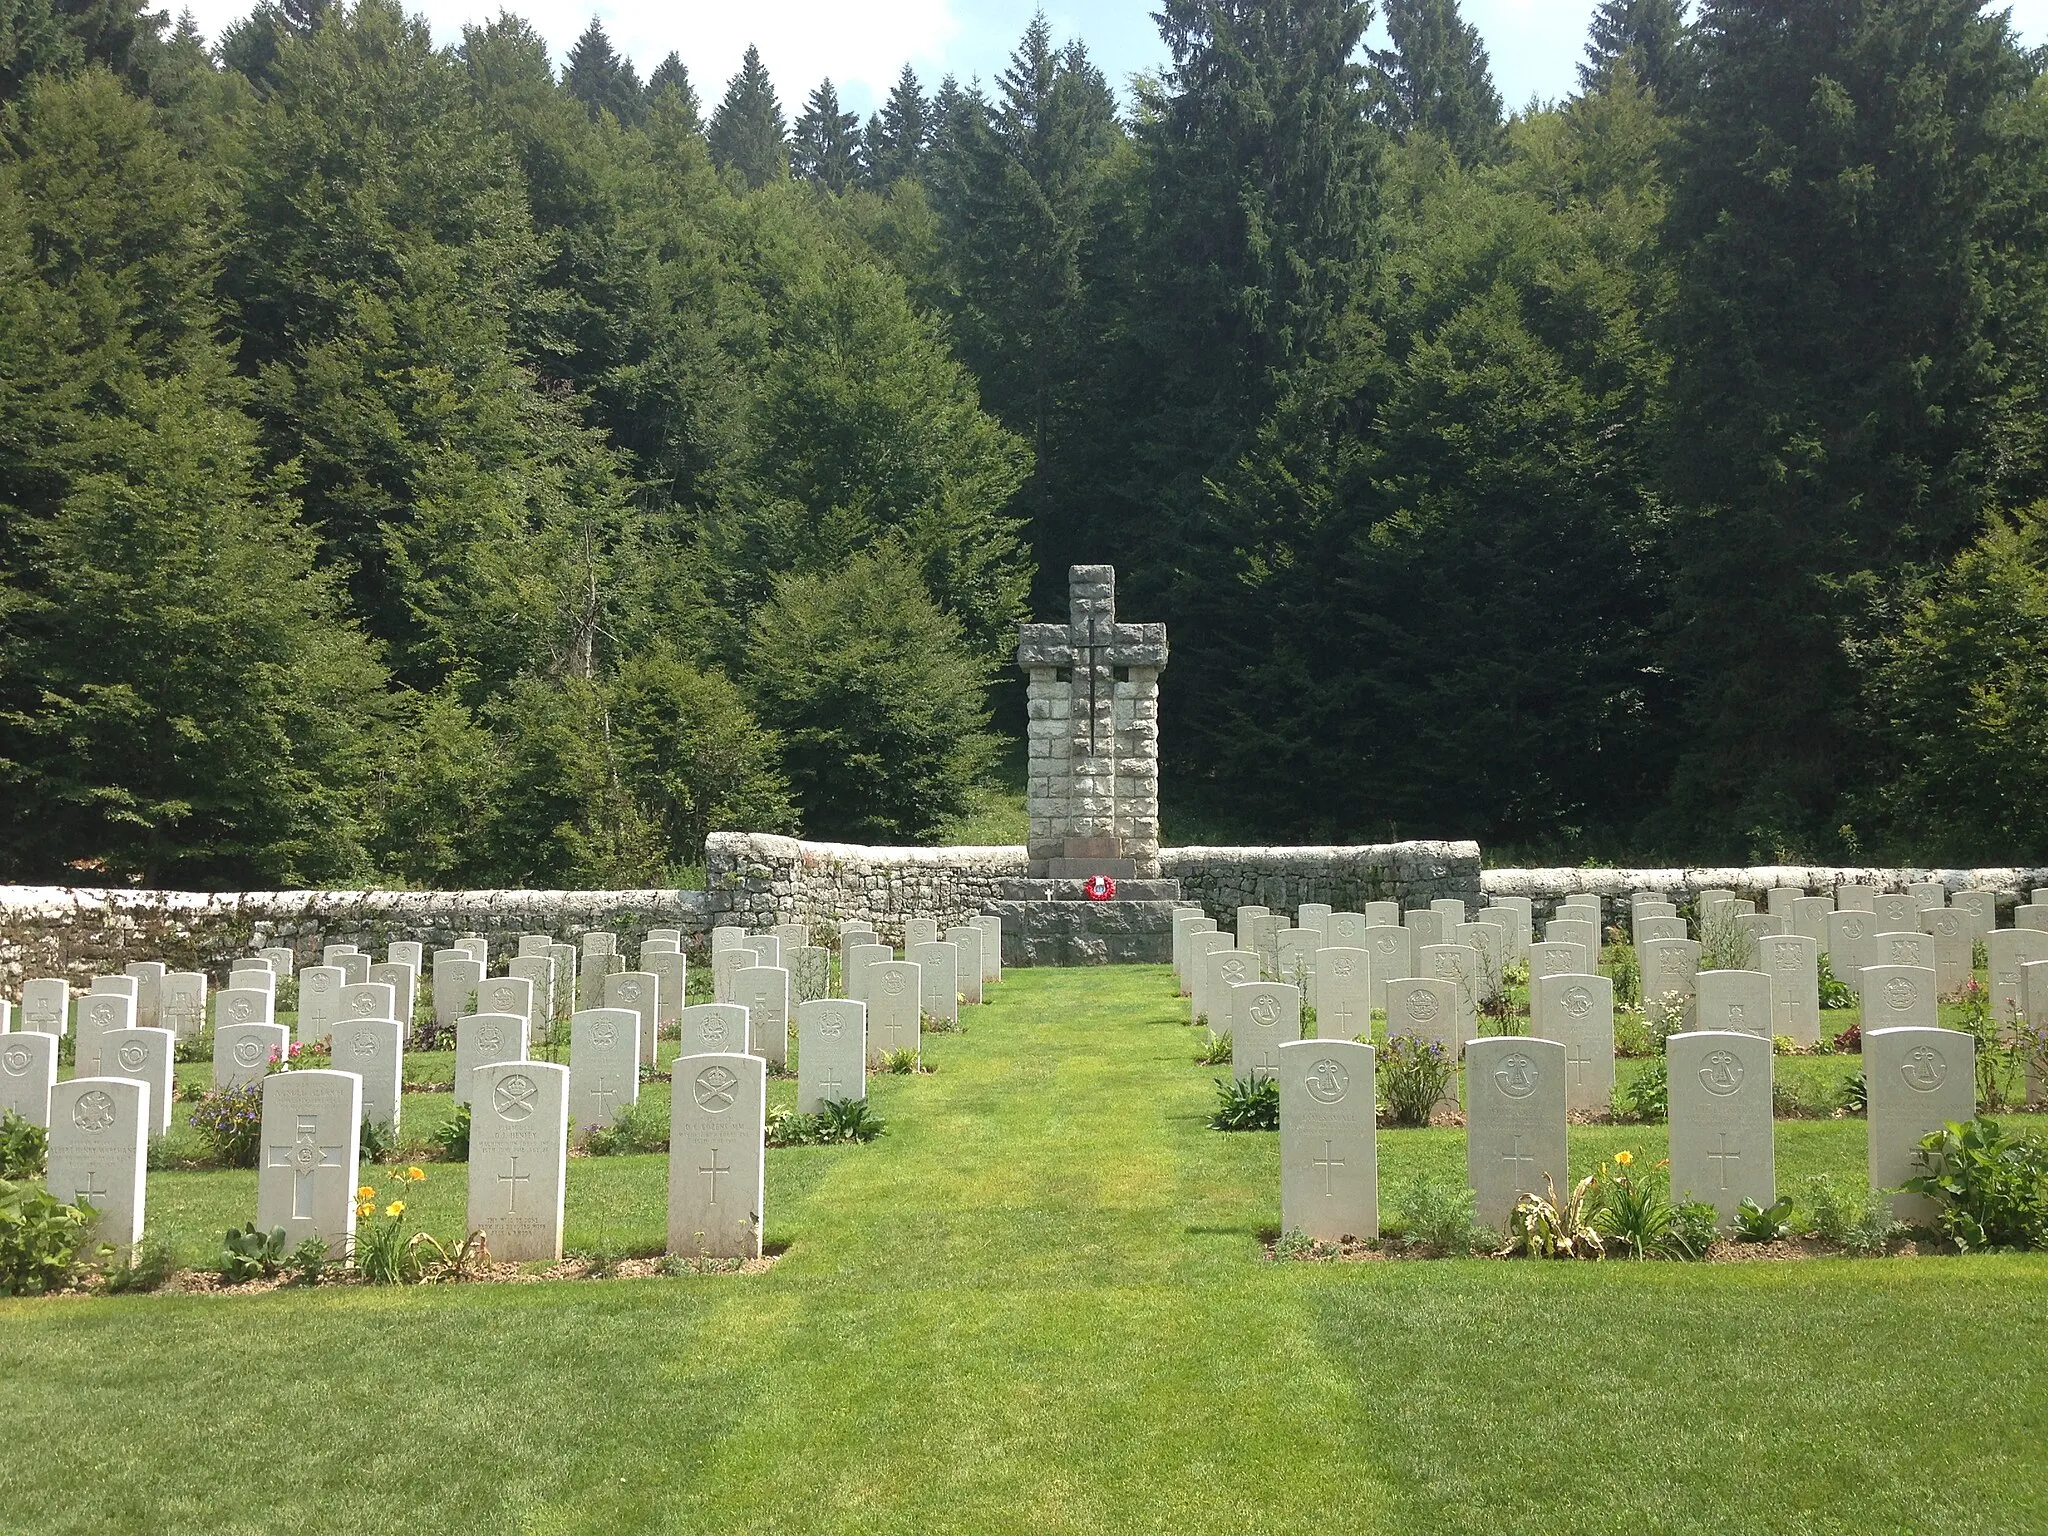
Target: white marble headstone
(1721,1132)
(1578,1012)
(717,1028)
(374,1049)
(2006,950)
(319,1001)
(1263,1015)
(1898,997)
(919,930)
(1222,969)
(1514,1122)
(1734,1000)
(1457,964)
(1792,962)
(717,1156)
(482,1039)
(403,981)
(28,1073)
(147,1056)
(242,1053)
(100,1129)
(894,988)
(991,927)
(312,1141)
(604,1066)
(938,974)
(637,990)
(518,1158)
(831,1052)
(1329,1151)
(763,990)
(1342,989)
(966,938)
(1558,957)
(1918,1080)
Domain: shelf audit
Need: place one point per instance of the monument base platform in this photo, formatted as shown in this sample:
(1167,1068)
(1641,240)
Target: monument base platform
(1070,932)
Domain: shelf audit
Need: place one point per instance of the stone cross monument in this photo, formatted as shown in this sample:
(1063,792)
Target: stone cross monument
(1093,794)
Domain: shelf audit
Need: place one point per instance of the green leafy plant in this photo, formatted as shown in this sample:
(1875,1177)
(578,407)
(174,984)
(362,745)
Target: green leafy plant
(1298,1247)
(1632,1209)
(308,1262)
(1724,944)
(43,1241)
(195,1047)
(1664,1016)
(24,1147)
(1543,1227)
(788,1128)
(389,1247)
(1856,1094)
(1440,1216)
(148,1268)
(247,1254)
(1632,1036)
(1694,1226)
(230,1122)
(640,1127)
(1763,1223)
(1626,971)
(1247,1104)
(1414,1076)
(1857,1219)
(1835,994)
(379,1140)
(902,1061)
(848,1120)
(1216,1053)
(935,1024)
(451,1137)
(1647,1095)
(1991,1185)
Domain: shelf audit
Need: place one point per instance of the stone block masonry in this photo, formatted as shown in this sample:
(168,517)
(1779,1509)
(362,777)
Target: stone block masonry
(1547,888)
(756,881)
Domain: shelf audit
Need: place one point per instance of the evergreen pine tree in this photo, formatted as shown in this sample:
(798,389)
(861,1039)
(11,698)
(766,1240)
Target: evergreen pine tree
(603,81)
(898,135)
(825,147)
(1834,394)
(747,133)
(1436,77)
(1646,34)
(671,75)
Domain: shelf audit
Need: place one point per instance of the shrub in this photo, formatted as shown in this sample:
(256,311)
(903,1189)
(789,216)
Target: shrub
(640,1127)
(1247,1104)
(1216,1053)
(1724,945)
(1856,1094)
(1850,1217)
(247,1254)
(379,1141)
(1834,993)
(43,1241)
(1627,973)
(848,1120)
(1414,1074)
(1632,1036)
(309,1260)
(230,1122)
(1647,1095)
(788,1128)
(24,1147)
(1694,1226)
(902,1061)
(1440,1217)
(1633,1209)
(1297,1246)
(1664,1016)
(152,1263)
(1991,1185)
(452,1136)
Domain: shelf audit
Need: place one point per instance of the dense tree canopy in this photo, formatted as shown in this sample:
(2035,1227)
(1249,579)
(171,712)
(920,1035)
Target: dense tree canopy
(474,465)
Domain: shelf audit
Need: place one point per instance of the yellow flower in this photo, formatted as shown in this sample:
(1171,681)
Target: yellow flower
(1624,1158)
(366,1193)
(395,1208)
(415,1174)
(365,1210)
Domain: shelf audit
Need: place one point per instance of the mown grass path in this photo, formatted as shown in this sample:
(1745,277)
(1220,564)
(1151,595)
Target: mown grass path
(1039,1303)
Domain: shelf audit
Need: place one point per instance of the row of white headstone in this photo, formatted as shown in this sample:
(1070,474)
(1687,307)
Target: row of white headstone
(102,1121)
(1722,1134)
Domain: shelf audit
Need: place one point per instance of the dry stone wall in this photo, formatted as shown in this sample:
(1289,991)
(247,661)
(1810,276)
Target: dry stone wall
(755,880)
(1547,888)
(1414,874)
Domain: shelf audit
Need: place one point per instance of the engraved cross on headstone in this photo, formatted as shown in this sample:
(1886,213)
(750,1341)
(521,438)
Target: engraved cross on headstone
(1578,1058)
(831,1081)
(604,1093)
(1328,1164)
(305,1157)
(1515,1159)
(92,1190)
(512,1181)
(714,1170)
(1724,1157)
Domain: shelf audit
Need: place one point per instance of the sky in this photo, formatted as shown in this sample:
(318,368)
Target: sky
(862,44)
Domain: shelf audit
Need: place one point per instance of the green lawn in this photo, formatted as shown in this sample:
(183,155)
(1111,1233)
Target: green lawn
(1040,1303)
